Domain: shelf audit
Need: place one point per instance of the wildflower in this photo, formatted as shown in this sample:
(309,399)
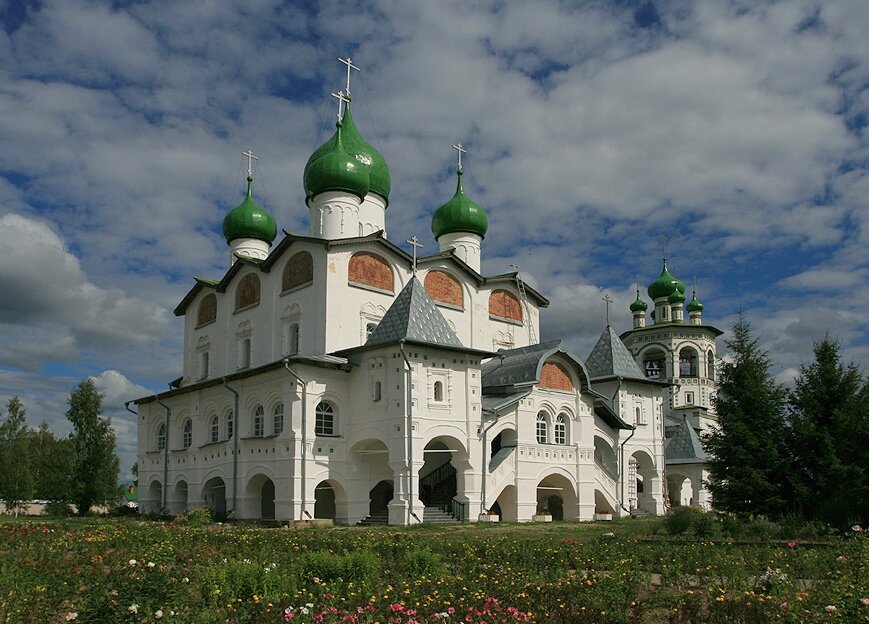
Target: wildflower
(185,580)
(133,562)
(72,615)
(830,608)
(158,613)
(792,544)
(841,558)
(857,528)
(151,564)
(133,608)
(864,602)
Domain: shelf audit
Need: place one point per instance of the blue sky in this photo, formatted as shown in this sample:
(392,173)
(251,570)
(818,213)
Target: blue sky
(738,129)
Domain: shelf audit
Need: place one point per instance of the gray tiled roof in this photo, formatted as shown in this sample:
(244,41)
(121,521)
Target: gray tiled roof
(611,358)
(516,366)
(495,402)
(684,447)
(414,317)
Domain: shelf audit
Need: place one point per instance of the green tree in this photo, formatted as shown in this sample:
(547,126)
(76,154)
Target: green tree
(829,437)
(16,481)
(51,465)
(749,466)
(94,462)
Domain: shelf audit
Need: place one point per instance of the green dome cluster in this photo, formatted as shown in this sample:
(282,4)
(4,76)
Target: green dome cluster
(367,159)
(695,305)
(665,285)
(249,220)
(459,214)
(336,170)
(639,305)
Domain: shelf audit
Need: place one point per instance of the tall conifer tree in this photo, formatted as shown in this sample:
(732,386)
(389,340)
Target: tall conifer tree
(16,480)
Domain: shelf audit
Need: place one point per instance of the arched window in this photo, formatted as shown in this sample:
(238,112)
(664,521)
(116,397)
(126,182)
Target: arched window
(258,421)
(278,420)
(202,350)
(369,328)
(299,271)
(710,365)
(561,429)
(368,269)
(444,288)
(294,339)
(230,425)
(654,364)
(213,429)
(687,362)
(207,312)
(161,437)
(504,305)
(325,423)
(378,391)
(248,291)
(290,329)
(638,416)
(243,340)
(187,433)
(438,391)
(542,429)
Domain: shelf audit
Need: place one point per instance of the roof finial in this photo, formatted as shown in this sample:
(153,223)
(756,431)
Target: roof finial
(608,301)
(637,276)
(350,66)
(414,242)
(664,240)
(342,100)
(250,159)
(694,286)
(460,150)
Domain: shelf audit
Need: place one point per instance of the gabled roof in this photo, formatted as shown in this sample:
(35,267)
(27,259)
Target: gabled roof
(513,368)
(611,359)
(413,317)
(684,446)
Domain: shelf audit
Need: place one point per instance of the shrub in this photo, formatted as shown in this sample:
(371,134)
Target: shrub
(679,520)
(359,566)
(419,562)
(705,525)
(196,517)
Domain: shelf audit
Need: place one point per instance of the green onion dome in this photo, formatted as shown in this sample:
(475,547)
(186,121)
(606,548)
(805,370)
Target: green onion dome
(695,305)
(249,220)
(665,285)
(676,297)
(639,305)
(460,214)
(369,158)
(336,170)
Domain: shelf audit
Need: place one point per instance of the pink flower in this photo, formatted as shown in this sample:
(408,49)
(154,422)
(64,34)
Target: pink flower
(864,602)
(792,544)
(830,608)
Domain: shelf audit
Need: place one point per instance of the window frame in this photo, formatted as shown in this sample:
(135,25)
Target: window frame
(542,428)
(560,429)
(278,419)
(258,424)
(324,420)
(161,437)
(187,433)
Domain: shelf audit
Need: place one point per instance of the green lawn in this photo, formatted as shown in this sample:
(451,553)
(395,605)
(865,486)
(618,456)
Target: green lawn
(128,571)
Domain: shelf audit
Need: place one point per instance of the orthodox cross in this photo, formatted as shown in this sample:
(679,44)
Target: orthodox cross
(350,66)
(250,159)
(460,150)
(342,100)
(638,284)
(664,241)
(608,301)
(414,242)
(694,286)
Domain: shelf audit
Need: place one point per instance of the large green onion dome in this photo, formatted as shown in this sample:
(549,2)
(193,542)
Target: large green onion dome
(249,220)
(460,214)
(369,158)
(695,305)
(639,305)
(336,169)
(665,285)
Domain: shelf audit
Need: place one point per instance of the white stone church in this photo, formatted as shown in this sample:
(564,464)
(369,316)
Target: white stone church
(336,375)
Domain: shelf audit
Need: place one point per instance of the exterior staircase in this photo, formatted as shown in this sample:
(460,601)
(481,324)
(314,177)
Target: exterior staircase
(436,515)
(376,519)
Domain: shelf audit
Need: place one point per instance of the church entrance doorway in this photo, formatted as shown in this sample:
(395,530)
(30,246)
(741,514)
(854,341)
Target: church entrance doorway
(267,500)
(179,501)
(379,497)
(214,495)
(324,501)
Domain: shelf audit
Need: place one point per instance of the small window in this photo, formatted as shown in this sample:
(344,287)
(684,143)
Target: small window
(244,359)
(278,420)
(710,366)
(542,436)
(258,421)
(561,429)
(161,437)
(378,391)
(187,433)
(325,423)
(213,430)
(689,398)
(294,339)
(369,329)
(203,365)
(439,391)
(230,425)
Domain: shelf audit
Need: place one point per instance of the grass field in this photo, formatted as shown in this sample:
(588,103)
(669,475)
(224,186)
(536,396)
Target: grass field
(128,570)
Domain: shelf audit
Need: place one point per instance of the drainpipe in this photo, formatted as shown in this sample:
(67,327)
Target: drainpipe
(163,507)
(485,462)
(304,474)
(409,430)
(236,428)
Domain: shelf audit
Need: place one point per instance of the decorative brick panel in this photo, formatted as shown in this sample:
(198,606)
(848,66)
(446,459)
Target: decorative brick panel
(505,305)
(555,377)
(299,270)
(371,270)
(444,287)
(207,310)
(247,292)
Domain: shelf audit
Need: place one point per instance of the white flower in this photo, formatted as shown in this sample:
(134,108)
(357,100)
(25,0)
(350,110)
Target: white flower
(304,610)
(185,580)
(151,564)
(133,562)
(158,613)
(310,605)
(133,608)
(72,615)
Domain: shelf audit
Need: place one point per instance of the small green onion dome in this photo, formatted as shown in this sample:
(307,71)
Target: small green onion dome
(639,305)
(695,305)
(665,285)
(460,214)
(336,170)
(369,158)
(676,297)
(249,220)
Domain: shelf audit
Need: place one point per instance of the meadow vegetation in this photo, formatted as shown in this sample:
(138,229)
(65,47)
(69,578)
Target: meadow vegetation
(687,567)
